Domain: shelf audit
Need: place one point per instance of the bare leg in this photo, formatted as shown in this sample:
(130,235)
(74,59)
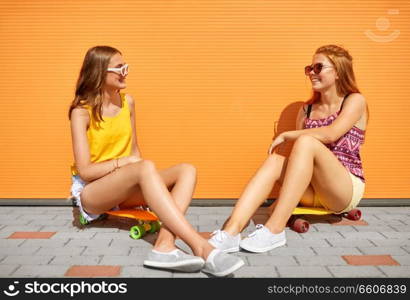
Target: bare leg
(182,180)
(311,162)
(155,193)
(183,177)
(257,190)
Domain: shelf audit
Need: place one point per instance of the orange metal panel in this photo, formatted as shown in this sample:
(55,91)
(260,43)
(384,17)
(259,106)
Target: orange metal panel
(210,79)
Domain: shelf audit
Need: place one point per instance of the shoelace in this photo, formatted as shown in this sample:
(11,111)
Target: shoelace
(218,235)
(258,227)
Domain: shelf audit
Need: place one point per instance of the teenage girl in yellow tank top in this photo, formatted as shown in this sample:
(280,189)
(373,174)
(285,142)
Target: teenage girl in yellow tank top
(109,170)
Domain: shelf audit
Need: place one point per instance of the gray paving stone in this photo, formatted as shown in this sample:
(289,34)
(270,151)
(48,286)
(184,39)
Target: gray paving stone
(406,246)
(355,271)
(106,251)
(87,242)
(11,242)
(117,229)
(44,243)
(207,222)
(363,235)
(40,271)
(226,211)
(27,260)
(122,260)
(112,235)
(396,271)
(376,228)
(30,217)
(257,272)
(336,251)
(307,243)
(322,260)
(211,218)
(130,243)
(71,260)
(382,250)
(74,235)
(344,243)
(397,235)
(292,235)
(263,260)
(403,260)
(286,251)
(142,272)
(60,228)
(9,217)
(401,228)
(60,251)
(48,221)
(18,250)
(207,228)
(321,235)
(304,271)
(391,242)
(7,270)
(13,228)
(139,251)
(333,228)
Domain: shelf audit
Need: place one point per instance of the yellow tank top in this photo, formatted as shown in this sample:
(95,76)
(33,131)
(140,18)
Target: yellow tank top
(111,138)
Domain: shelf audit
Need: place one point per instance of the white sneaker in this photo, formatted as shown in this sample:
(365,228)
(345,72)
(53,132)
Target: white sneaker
(174,260)
(262,240)
(224,241)
(221,264)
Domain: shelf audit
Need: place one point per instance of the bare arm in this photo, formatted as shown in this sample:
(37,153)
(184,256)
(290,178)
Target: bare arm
(353,109)
(135,150)
(87,170)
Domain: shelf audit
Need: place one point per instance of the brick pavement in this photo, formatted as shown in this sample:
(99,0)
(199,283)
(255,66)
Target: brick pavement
(46,242)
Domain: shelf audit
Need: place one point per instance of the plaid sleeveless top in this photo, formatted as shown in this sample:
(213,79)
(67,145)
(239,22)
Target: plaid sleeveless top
(347,147)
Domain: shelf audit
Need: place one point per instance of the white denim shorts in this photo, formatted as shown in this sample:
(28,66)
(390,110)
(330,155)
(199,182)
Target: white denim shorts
(76,189)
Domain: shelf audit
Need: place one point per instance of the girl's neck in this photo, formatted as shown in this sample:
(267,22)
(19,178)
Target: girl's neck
(110,96)
(330,97)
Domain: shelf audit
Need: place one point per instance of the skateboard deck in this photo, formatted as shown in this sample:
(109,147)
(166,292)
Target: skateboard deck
(137,214)
(147,220)
(298,224)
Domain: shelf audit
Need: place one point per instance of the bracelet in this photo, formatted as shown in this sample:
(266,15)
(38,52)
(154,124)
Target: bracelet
(115,165)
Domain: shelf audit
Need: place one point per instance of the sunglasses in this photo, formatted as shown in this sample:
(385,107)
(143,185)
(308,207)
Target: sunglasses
(123,70)
(317,68)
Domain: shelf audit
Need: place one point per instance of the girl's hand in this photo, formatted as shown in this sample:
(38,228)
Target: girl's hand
(276,142)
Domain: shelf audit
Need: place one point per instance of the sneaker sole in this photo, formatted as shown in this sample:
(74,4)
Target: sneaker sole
(226,272)
(192,265)
(231,250)
(260,250)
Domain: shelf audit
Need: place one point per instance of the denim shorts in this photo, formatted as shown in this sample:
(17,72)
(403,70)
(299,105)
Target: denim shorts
(76,188)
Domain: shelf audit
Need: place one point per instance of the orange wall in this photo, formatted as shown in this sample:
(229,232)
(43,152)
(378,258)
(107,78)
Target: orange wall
(210,79)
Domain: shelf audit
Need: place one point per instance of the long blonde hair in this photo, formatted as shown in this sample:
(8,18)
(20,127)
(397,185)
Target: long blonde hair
(91,80)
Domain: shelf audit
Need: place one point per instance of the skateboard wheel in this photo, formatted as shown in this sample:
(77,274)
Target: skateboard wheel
(300,225)
(137,232)
(155,226)
(83,221)
(354,215)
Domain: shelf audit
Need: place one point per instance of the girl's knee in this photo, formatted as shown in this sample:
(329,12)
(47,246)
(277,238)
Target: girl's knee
(142,168)
(274,159)
(305,142)
(187,169)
